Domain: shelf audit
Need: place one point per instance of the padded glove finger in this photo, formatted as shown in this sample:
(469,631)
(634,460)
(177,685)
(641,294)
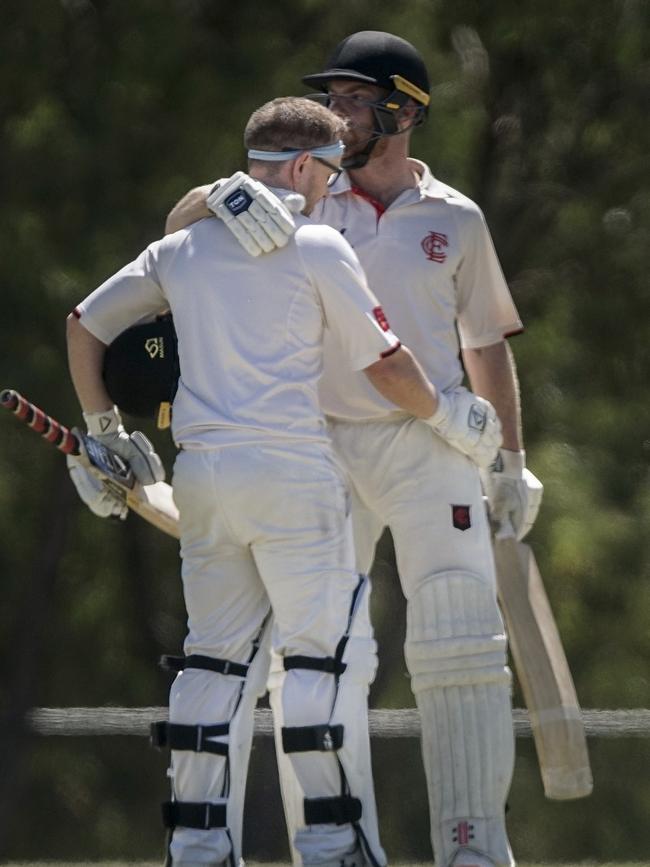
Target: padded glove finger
(94,494)
(135,448)
(257,218)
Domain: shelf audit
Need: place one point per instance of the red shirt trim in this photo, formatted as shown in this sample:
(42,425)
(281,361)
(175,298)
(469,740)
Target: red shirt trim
(390,351)
(377,205)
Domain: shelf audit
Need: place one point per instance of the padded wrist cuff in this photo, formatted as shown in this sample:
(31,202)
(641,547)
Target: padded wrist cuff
(442,410)
(511,464)
(106,422)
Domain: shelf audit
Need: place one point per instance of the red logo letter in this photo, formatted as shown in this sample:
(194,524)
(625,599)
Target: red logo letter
(434,246)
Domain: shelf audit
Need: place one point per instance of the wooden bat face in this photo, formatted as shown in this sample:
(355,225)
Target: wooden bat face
(154,503)
(543,673)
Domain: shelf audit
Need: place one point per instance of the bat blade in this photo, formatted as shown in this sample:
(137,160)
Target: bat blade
(543,673)
(154,503)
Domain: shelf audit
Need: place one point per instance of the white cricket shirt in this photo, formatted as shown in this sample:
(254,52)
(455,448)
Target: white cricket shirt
(250,331)
(430,260)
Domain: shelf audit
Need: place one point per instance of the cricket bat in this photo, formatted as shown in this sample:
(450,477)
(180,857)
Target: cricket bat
(154,503)
(543,673)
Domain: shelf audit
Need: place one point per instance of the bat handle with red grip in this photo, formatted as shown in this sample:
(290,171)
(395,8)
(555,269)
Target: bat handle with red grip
(38,421)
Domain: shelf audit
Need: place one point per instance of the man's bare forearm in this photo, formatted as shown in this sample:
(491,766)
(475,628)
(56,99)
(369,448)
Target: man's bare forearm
(188,210)
(492,374)
(400,379)
(85,359)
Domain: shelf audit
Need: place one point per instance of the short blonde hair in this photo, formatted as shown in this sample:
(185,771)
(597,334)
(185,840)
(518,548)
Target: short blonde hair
(292,123)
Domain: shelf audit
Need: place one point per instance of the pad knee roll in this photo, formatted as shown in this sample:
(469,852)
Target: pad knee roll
(454,633)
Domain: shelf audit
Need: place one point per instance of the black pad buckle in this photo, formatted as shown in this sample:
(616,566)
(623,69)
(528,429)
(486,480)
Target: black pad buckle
(329,664)
(189,737)
(189,814)
(206,663)
(332,811)
(304,739)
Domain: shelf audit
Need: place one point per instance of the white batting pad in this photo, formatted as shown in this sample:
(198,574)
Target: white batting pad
(205,697)
(309,844)
(456,653)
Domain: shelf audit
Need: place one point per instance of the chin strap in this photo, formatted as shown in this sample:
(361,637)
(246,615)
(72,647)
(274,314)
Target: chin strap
(358,161)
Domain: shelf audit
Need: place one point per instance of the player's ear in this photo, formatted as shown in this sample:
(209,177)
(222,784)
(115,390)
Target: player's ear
(299,166)
(406,116)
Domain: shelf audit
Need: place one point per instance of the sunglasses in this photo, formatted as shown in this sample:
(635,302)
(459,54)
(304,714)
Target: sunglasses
(335,170)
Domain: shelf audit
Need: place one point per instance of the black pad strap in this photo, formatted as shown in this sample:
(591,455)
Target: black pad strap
(189,814)
(207,663)
(304,739)
(189,737)
(332,811)
(329,664)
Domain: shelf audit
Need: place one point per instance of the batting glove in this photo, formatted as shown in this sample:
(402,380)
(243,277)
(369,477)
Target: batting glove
(514,494)
(99,500)
(468,423)
(256,217)
(135,448)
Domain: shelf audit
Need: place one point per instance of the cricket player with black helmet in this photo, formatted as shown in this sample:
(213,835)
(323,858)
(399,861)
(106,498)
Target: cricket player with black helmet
(429,258)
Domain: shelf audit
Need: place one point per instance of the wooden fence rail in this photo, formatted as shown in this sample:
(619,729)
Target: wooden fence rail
(397,723)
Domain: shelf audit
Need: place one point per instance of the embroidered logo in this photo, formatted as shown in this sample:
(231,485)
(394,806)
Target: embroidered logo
(460,517)
(434,245)
(380,316)
(155,347)
(477,417)
(238,202)
(462,833)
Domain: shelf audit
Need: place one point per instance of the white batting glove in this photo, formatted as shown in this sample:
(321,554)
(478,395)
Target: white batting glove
(99,500)
(256,217)
(468,423)
(135,448)
(514,494)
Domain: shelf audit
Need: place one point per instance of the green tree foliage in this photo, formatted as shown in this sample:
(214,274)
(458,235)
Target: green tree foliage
(110,111)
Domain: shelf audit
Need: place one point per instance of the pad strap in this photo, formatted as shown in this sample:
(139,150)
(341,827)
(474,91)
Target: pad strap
(329,664)
(189,737)
(207,663)
(188,814)
(304,739)
(332,811)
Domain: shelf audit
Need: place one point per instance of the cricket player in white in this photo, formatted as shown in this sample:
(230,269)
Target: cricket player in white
(428,256)
(264,510)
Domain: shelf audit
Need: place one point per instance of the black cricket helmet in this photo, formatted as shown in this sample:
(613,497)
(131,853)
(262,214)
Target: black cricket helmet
(386,61)
(141,370)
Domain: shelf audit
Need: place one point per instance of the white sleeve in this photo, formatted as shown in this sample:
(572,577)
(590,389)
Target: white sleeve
(486,311)
(131,295)
(352,313)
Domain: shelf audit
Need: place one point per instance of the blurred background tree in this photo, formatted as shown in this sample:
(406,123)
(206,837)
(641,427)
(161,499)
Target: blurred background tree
(110,111)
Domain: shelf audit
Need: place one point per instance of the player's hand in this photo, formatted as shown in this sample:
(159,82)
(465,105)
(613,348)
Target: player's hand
(135,448)
(468,423)
(99,500)
(514,494)
(256,217)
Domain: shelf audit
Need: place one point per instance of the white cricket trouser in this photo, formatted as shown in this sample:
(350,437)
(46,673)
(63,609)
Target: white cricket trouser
(261,526)
(404,476)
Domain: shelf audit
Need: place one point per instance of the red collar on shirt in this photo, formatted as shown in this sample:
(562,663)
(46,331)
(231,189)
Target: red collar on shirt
(377,205)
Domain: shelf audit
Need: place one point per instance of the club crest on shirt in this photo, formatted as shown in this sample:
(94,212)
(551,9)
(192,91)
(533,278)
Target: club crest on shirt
(434,245)
(460,517)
